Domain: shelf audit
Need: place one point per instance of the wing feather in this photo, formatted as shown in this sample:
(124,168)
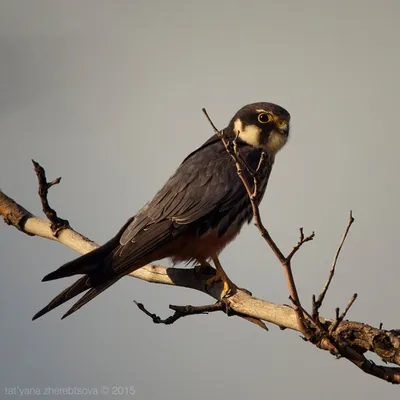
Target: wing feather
(204,185)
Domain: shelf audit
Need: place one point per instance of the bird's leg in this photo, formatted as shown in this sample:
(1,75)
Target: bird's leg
(203,268)
(221,275)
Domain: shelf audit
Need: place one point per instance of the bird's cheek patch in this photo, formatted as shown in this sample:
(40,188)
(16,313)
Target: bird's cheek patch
(249,134)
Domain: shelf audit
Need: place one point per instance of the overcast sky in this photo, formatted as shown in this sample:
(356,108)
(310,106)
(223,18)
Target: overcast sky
(108,94)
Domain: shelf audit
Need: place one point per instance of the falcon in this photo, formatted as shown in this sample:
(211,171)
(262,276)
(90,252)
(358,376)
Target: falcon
(200,209)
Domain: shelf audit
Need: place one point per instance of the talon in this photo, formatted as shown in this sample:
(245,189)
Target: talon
(227,290)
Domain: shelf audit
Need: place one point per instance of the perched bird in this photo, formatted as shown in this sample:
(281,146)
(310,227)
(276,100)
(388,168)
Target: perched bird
(200,209)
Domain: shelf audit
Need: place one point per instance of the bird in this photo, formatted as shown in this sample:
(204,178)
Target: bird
(201,208)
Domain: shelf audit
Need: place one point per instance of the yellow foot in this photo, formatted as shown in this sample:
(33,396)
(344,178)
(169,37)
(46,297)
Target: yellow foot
(228,286)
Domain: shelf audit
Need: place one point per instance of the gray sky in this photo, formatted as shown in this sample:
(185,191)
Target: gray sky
(108,94)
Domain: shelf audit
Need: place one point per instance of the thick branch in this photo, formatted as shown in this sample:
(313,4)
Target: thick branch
(358,336)
(348,339)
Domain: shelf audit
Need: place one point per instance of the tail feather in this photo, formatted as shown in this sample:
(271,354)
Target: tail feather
(98,275)
(90,295)
(85,264)
(76,288)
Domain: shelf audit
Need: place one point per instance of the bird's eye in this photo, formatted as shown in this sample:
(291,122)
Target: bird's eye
(281,123)
(265,118)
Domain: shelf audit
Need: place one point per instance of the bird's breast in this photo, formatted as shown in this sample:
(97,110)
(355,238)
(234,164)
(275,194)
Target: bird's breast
(202,248)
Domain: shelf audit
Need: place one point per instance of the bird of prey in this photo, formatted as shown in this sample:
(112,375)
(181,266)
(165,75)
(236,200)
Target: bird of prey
(200,209)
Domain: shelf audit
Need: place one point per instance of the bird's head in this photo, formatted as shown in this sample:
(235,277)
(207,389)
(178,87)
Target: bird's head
(262,125)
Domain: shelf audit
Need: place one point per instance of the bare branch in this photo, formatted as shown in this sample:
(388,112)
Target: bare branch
(182,311)
(349,339)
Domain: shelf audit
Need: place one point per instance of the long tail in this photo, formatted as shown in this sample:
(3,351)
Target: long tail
(86,264)
(76,288)
(90,295)
(97,276)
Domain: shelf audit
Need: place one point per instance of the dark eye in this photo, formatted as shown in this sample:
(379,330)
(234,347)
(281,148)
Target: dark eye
(265,118)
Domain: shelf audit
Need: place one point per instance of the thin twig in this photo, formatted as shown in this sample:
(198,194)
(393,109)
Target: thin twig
(285,261)
(303,239)
(182,311)
(255,209)
(341,317)
(321,297)
(57,223)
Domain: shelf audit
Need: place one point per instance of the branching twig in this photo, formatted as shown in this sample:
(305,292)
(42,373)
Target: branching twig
(57,223)
(303,239)
(231,148)
(341,317)
(182,311)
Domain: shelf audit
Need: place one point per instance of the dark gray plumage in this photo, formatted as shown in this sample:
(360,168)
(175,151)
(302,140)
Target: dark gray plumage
(199,210)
